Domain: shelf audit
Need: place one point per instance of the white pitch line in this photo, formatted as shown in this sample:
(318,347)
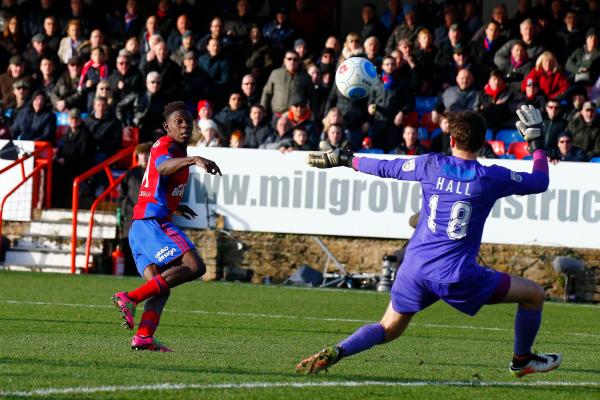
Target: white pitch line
(283,316)
(272,385)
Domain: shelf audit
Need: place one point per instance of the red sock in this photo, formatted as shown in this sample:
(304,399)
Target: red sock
(148,324)
(154,287)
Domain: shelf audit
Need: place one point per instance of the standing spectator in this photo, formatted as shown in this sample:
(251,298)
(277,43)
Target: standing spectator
(233,116)
(194,80)
(125,79)
(286,82)
(36,121)
(483,50)
(408,30)
(527,30)
(563,149)
(278,32)
(586,130)
(584,63)
(554,123)
(424,54)
(258,56)
(238,26)
(371,25)
(216,65)
(495,102)
(65,94)
(216,33)
(175,38)
(170,73)
(551,80)
(321,91)
(69,45)
(257,129)
(516,68)
(186,45)
(16,71)
(410,146)
(304,21)
(105,128)
(128,24)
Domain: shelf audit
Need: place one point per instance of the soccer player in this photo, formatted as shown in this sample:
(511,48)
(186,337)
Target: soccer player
(163,255)
(439,263)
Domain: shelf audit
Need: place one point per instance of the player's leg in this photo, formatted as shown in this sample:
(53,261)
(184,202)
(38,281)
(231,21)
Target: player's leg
(391,326)
(530,299)
(190,267)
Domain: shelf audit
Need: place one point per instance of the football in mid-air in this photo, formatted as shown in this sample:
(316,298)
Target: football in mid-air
(355,77)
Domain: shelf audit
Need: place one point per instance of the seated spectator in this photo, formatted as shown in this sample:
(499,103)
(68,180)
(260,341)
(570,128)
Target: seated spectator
(407,30)
(105,128)
(440,33)
(576,96)
(446,47)
(354,113)
(299,141)
(36,121)
(182,29)
(532,95)
(371,25)
(35,52)
(170,73)
(471,18)
(371,46)
(516,68)
(96,40)
(352,47)
(446,76)
(93,71)
(458,98)
(187,45)
(564,150)
(13,41)
(194,80)
(584,63)
(424,54)
(327,59)
(233,116)
(500,17)
(586,130)
(257,55)
(554,123)
(209,136)
(236,141)
(321,91)
(495,102)
(74,155)
(484,50)
(151,29)
(534,50)
(239,24)
(282,133)
(441,142)
(125,79)
(16,71)
(128,24)
(69,44)
(406,50)
(18,101)
(250,89)
(132,45)
(214,63)
(410,146)
(65,95)
(278,31)
(300,115)
(258,128)
(301,48)
(47,76)
(568,38)
(216,33)
(334,137)
(546,73)
(51,33)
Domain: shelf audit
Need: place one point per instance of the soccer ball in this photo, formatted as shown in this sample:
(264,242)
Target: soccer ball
(355,77)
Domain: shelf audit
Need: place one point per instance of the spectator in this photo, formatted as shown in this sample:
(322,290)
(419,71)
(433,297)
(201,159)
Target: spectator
(282,134)
(51,29)
(584,63)
(406,50)
(74,155)
(483,50)
(69,45)
(65,95)
(441,142)
(446,47)
(410,146)
(257,129)
(440,33)
(333,43)
(175,39)
(93,71)
(301,48)
(554,123)
(164,16)
(194,80)
(47,77)
(286,82)
(458,98)
(552,81)
(371,25)
(18,101)
(209,137)
(150,29)
(586,130)
(132,46)
(217,67)
(563,150)
(128,24)
(34,53)
(299,141)
(494,103)
(532,95)
(125,79)
(278,32)
(471,19)
(186,45)
(258,55)
(233,116)
(534,50)
(35,16)
(238,26)
(516,68)
(13,41)
(327,59)
(96,40)
(36,121)
(321,91)
(392,16)
(16,71)
(250,89)
(217,34)
(500,17)
(354,112)
(105,128)
(334,137)
(170,73)
(371,46)
(77,12)
(424,54)
(352,47)
(568,38)
(300,115)
(408,30)
(236,141)
(446,76)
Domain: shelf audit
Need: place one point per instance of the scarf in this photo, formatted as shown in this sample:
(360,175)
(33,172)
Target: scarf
(515,63)
(388,80)
(487,44)
(129,18)
(102,70)
(494,93)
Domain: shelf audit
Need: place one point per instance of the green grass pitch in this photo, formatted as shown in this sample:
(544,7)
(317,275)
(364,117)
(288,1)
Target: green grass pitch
(60,338)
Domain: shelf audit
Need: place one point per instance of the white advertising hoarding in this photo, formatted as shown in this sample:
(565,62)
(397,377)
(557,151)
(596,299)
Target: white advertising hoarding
(265,190)
(18,205)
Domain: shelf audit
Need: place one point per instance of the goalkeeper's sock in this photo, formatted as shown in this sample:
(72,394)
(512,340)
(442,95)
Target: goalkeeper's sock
(527,323)
(149,323)
(154,287)
(362,339)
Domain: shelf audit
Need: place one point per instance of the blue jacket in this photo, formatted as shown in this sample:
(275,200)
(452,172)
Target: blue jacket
(30,125)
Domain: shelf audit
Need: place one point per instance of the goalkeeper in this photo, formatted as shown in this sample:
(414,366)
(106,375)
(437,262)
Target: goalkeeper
(440,261)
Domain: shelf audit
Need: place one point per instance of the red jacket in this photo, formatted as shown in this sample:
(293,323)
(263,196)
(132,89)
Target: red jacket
(552,84)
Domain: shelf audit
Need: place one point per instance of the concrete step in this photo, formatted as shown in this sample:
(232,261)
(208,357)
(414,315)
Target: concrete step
(65,229)
(83,216)
(42,259)
(61,243)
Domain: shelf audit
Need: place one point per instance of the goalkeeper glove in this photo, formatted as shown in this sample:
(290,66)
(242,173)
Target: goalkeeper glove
(530,127)
(335,157)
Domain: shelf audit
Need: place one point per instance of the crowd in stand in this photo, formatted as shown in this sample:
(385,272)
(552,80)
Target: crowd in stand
(260,74)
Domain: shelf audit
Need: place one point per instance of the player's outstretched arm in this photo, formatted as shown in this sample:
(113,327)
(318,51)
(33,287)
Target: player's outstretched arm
(335,157)
(208,165)
(174,165)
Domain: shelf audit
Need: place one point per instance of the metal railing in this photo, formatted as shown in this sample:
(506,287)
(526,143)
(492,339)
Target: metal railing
(112,184)
(42,160)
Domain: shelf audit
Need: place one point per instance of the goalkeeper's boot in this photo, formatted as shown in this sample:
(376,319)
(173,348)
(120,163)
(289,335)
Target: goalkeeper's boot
(320,361)
(534,363)
(126,307)
(148,343)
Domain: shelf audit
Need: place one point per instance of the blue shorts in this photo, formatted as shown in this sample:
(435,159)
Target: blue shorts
(412,293)
(156,242)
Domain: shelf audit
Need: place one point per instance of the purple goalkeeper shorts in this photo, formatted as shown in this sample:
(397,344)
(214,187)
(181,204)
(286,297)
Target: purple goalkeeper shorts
(412,293)
(156,242)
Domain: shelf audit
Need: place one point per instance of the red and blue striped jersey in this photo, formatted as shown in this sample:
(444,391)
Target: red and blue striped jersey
(160,195)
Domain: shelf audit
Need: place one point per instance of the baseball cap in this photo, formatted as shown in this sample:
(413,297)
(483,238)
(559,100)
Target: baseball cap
(189,54)
(74,113)
(299,42)
(587,105)
(16,60)
(21,83)
(74,60)
(38,37)
(459,49)
(298,100)
(591,32)
(454,27)
(187,33)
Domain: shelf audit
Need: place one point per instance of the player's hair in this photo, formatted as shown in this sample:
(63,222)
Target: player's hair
(170,108)
(468,129)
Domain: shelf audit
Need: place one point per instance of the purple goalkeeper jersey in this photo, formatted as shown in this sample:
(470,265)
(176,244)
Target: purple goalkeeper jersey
(458,195)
